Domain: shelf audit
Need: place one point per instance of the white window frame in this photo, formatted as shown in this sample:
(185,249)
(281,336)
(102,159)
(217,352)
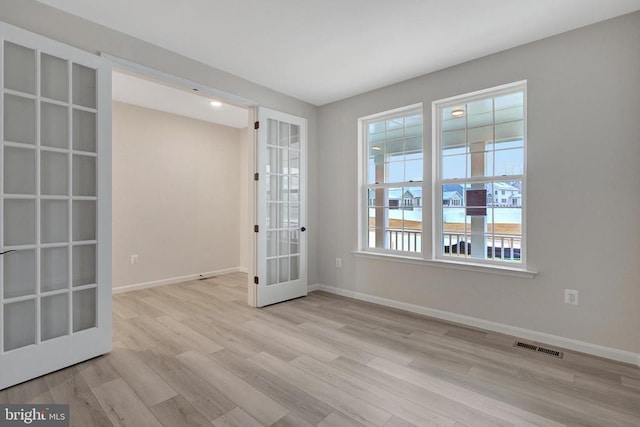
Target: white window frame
(437,107)
(363,185)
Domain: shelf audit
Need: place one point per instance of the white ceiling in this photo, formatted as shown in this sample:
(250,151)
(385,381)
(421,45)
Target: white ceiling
(146,93)
(325,50)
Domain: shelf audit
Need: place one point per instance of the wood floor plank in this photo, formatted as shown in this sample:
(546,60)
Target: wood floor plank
(631,383)
(34,391)
(255,403)
(122,406)
(363,344)
(97,371)
(207,400)
(296,400)
(482,403)
(143,380)
(295,342)
(178,412)
(199,341)
(337,419)
(236,418)
(344,402)
(292,420)
(399,422)
(195,353)
(434,401)
(69,386)
(377,396)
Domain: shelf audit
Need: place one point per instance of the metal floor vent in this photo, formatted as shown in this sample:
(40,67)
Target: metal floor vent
(544,350)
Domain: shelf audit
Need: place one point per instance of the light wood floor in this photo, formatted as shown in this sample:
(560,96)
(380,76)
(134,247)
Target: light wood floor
(196,354)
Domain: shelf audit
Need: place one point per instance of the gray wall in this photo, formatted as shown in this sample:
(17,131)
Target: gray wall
(583,174)
(69,29)
(177,196)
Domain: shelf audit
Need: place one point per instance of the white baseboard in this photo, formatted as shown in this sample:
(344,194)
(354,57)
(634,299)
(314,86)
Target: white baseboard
(554,340)
(243,269)
(311,288)
(173,280)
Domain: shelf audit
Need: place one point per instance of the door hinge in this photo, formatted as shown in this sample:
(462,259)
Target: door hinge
(255,280)
(256,125)
(256,176)
(256,228)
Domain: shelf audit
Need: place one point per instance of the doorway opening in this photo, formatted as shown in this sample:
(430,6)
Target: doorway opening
(182,194)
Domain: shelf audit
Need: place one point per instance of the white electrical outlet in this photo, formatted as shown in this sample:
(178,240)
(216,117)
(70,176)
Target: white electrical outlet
(571,296)
(134,259)
(338,262)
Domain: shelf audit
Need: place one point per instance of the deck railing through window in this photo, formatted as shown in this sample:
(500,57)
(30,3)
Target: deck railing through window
(503,247)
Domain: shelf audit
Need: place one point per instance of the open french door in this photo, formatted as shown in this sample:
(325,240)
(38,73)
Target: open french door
(281,208)
(55,206)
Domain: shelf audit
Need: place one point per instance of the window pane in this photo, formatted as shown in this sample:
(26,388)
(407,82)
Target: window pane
(482,220)
(454,167)
(395,155)
(509,162)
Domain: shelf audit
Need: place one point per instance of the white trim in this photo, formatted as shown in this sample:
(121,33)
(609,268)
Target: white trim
(243,270)
(172,79)
(173,280)
(554,340)
(452,265)
(314,287)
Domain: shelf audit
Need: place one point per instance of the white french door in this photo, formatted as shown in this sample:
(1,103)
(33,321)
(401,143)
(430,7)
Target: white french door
(55,206)
(281,207)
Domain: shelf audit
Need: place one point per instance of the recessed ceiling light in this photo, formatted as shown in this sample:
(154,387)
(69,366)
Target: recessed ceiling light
(457,112)
(216,103)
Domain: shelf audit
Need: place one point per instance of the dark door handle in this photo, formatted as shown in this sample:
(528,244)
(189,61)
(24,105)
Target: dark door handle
(303,229)
(6,252)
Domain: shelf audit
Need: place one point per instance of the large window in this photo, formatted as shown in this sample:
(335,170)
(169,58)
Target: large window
(392,218)
(480,170)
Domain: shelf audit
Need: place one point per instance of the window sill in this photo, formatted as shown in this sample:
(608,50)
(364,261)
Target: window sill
(439,263)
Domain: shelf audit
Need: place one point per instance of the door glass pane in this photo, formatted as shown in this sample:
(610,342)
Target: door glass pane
(295,267)
(54,316)
(84,86)
(84,265)
(53,221)
(294,242)
(19,222)
(53,125)
(294,142)
(272,243)
(272,271)
(284,242)
(284,161)
(19,119)
(84,131)
(53,174)
(84,176)
(272,215)
(284,270)
(19,68)
(19,171)
(284,134)
(19,275)
(54,267)
(19,324)
(84,309)
(84,220)
(53,77)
